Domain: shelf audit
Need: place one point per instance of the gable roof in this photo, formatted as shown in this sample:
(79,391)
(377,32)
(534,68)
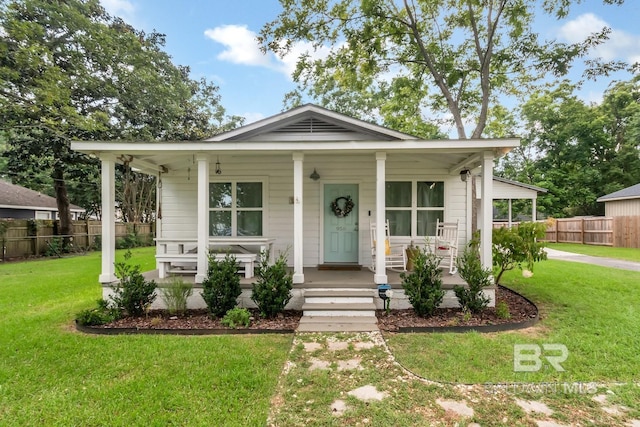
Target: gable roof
(18,197)
(632,192)
(520,184)
(315,123)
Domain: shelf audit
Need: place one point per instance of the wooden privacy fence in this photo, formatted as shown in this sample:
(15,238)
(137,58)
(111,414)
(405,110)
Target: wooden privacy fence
(26,238)
(618,231)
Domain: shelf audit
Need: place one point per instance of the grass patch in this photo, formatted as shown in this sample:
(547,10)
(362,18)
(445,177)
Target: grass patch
(626,254)
(591,310)
(52,375)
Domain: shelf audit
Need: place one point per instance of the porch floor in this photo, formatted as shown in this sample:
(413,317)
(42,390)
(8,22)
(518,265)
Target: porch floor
(315,278)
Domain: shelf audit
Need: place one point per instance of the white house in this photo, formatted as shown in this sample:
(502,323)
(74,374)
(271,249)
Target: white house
(272,183)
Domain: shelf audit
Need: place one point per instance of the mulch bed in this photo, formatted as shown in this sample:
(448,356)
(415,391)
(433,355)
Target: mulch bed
(199,319)
(520,308)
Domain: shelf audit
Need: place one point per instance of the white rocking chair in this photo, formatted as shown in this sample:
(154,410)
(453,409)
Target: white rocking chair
(395,255)
(446,244)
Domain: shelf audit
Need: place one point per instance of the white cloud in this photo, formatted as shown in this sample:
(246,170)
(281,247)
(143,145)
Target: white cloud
(122,8)
(242,47)
(621,45)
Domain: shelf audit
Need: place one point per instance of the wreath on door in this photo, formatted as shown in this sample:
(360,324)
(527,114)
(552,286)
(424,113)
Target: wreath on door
(347,206)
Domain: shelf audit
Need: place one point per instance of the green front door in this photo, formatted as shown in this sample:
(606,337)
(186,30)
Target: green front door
(340,231)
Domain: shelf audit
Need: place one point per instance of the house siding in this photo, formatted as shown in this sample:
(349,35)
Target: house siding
(622,207)
(179,195)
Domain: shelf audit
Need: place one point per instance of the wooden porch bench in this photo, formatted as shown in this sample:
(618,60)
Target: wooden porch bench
(188,260)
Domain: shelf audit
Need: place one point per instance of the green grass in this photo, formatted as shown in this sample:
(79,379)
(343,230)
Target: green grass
(627,254)
(593,311)
(52,375)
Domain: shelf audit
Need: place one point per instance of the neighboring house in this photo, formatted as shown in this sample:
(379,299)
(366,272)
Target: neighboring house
(272,184)
(17,202)
(506,189)
(625,202)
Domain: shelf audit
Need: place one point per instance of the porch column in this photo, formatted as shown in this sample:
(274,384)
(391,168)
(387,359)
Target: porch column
(510,214)
(534,209)
(298,219)
(487,209)
(381,269)
(203,217)
(108,218)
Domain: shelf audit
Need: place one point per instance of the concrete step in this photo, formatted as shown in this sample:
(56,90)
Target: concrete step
(314,293)
(338,309)
(338,324)
(342,296)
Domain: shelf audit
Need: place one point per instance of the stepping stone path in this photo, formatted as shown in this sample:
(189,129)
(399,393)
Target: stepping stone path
(338,407)
(342,353)
(310,347)
(610,409)
(458,408)
(338,345)
(368,393)
(530,406)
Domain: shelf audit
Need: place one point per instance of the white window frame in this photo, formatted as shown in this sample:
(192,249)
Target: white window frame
(234,209)
(414,208)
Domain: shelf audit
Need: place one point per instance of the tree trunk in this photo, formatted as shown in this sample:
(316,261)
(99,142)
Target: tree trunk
(64,211)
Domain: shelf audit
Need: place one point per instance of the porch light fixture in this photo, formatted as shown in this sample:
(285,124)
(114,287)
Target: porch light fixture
(464,174)
(218,169)
(314,175)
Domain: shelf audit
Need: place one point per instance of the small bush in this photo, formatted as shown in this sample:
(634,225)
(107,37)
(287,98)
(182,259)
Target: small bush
(513,247)
(502,310)
(100,315)
(272,291)
(133,294)
(131,240)
(237,317)
(423,286)
(221,287)
(176,294)
(470,269)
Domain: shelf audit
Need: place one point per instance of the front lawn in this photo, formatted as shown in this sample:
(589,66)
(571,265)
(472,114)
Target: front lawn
(52,375)
(627,254)
(591,310)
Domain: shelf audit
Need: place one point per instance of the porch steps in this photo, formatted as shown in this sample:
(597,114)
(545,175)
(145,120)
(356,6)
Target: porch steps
(338,310)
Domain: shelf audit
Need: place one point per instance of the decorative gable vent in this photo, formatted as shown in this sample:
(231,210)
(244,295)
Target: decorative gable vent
(312,125)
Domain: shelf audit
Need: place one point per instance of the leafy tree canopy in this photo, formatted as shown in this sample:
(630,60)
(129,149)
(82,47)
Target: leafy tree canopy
(69,71)
(578,151)
(394,59)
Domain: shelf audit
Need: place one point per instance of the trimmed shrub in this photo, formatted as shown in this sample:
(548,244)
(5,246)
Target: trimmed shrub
(423,286)
(221,287)
(133,294)
(100,315)
(470,269)
(237,317)
(272,291)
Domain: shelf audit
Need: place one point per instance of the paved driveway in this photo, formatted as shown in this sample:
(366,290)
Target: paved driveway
(587,259)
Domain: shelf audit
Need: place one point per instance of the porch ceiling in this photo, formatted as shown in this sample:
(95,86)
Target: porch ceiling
(152,157)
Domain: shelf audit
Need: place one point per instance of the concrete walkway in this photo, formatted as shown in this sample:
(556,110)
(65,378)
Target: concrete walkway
(587,259)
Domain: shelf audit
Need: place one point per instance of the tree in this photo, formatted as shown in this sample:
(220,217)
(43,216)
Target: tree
(578,151)
(70,71)
(393,58)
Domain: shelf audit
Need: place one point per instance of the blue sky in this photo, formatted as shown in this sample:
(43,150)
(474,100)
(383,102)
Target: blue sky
(216,39)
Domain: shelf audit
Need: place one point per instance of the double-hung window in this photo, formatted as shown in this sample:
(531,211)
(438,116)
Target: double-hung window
(236,208)
(413,207)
